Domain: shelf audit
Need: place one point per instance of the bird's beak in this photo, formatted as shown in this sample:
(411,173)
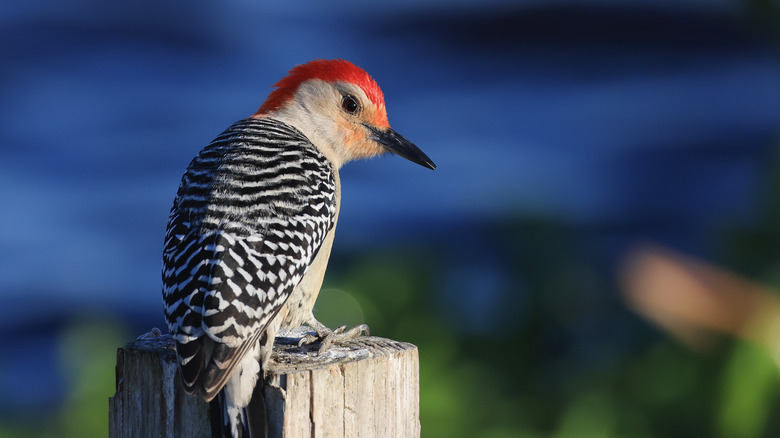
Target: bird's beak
(397,144)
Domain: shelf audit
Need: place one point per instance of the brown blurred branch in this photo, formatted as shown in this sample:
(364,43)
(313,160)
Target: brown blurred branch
(691,299)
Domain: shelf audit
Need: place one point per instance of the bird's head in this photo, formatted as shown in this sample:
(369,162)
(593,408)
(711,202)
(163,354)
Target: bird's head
(341,109)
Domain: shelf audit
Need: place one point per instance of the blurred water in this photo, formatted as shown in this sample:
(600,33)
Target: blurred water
(640,118)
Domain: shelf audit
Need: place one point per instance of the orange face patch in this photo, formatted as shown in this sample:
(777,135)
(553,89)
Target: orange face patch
(379,117)
(356,141)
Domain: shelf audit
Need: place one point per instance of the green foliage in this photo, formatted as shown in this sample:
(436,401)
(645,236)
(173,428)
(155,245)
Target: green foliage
(749,384)
(539,377)
(86,355)
(589,415)
(564,367)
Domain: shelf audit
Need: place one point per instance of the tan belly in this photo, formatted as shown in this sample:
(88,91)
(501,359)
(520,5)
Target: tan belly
(298,307)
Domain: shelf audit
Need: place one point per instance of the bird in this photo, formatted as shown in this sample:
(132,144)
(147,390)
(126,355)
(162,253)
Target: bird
(251,229)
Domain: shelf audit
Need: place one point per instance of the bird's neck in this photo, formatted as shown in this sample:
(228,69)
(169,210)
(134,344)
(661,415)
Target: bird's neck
(317,130)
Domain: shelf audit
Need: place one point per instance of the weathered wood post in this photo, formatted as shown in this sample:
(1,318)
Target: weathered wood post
(368,387)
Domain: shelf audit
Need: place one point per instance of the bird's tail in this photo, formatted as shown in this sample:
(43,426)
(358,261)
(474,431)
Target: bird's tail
(231,421)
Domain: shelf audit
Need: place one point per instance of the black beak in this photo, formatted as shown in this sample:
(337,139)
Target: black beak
(397,144)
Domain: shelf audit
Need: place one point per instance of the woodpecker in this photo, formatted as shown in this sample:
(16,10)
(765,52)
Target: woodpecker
(251,229)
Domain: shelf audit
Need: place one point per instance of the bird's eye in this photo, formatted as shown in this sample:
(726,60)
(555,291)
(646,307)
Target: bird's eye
(350,104)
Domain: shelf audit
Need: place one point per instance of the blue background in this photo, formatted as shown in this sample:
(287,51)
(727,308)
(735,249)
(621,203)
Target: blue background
(561,130)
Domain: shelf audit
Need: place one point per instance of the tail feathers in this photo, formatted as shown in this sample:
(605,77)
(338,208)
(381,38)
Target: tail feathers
(230,421)
(190,363)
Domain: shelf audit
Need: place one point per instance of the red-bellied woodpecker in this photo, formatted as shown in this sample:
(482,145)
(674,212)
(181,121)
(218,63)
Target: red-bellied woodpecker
(251,228)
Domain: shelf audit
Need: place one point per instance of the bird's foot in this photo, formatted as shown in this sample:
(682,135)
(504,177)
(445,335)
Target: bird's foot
(327,337)
(155,333)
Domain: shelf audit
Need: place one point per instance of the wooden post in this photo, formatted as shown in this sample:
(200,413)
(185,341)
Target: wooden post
(367,387)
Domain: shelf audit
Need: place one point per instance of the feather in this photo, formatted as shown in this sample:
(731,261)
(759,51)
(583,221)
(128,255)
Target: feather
(242,232)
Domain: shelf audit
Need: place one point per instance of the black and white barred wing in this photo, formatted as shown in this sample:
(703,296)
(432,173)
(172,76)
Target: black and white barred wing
(252,211)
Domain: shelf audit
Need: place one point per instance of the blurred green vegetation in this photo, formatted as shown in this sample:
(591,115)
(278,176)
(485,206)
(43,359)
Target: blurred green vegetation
(564,368)
(86,357)
(561,368)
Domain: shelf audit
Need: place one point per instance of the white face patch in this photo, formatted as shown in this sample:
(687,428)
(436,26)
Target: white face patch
(316,110)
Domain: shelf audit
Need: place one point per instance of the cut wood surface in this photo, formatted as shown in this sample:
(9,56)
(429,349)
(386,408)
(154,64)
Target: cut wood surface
(366,387)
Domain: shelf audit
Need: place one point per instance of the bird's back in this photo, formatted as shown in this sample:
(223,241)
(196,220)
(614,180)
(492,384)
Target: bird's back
(251,213)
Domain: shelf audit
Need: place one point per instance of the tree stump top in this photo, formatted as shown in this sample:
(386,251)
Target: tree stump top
(289,357)
(366,387)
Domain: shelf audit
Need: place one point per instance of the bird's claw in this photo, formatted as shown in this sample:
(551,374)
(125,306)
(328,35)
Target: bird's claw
(153,334)
(328,337)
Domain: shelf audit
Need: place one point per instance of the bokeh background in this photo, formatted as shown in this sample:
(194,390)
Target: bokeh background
(565,132)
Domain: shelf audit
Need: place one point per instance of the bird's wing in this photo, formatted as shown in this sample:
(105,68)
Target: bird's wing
(252,211)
